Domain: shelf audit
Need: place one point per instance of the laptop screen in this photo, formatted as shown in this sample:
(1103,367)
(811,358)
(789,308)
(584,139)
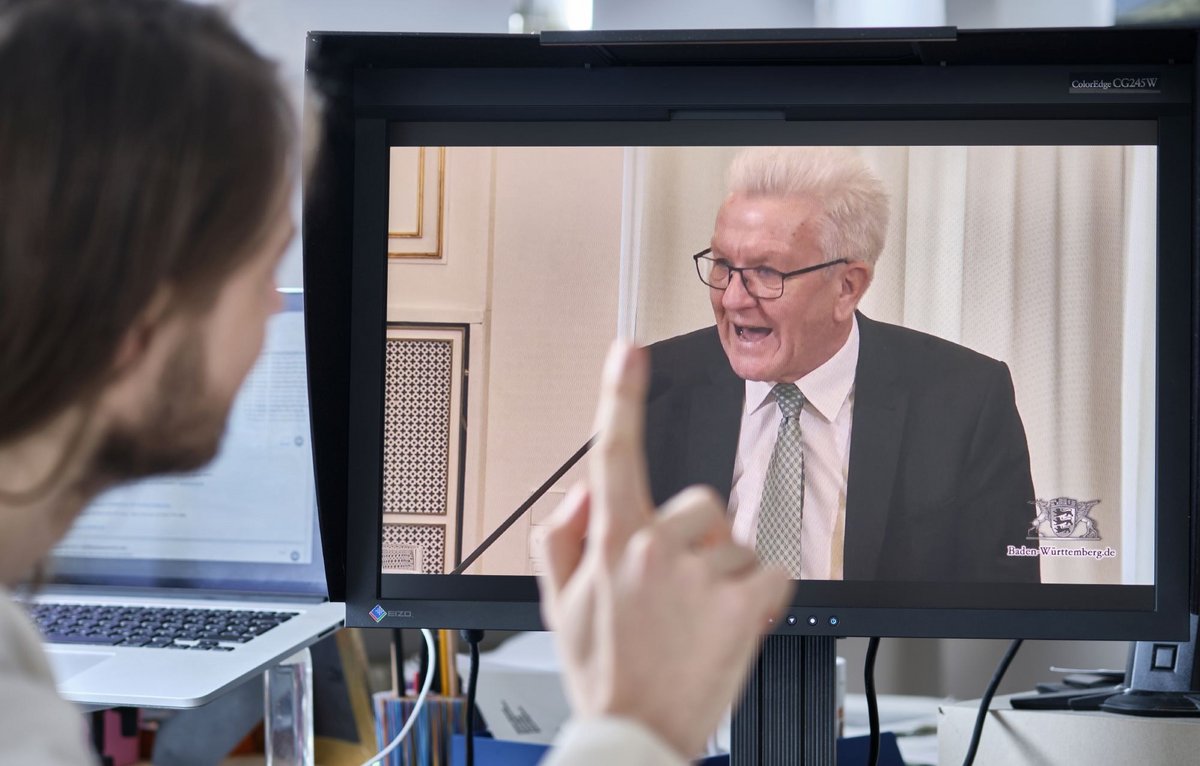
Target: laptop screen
(246,522)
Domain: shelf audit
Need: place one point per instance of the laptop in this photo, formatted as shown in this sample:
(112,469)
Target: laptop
(171,590)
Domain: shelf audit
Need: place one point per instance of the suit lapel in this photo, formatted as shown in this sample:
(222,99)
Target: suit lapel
(714,422)
(879,410)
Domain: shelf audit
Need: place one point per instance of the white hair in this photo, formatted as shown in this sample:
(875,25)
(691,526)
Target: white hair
(855,204)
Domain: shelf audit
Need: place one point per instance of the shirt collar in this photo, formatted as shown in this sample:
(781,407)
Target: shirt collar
(825,388)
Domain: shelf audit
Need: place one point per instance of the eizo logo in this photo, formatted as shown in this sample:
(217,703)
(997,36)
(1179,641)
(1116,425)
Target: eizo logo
(378,613)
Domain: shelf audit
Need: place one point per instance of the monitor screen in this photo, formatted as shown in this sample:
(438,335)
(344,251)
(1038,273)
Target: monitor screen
(986,448)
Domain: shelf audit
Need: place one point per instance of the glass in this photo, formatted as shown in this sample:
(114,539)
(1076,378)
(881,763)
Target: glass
(762,282)
(287,692)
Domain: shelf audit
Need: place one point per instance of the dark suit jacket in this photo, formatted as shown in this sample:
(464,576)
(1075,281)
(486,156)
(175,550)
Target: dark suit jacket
(939,481)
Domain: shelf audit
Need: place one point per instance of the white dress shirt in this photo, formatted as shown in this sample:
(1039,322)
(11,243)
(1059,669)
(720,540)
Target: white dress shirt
(825,437)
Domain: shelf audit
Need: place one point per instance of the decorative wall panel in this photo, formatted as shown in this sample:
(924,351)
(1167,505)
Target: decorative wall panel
(425,374)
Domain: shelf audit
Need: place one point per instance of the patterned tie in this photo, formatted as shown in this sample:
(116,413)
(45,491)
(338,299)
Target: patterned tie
(782,509)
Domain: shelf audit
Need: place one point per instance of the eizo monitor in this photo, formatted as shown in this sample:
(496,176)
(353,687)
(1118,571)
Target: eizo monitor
(1039,189)
(490,211)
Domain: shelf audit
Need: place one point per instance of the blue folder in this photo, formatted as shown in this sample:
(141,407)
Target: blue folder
(495,752)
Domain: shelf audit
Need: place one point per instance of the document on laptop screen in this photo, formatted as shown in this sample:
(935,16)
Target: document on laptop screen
(253,503)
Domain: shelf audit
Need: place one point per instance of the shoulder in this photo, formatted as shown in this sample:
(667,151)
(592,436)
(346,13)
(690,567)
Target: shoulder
(608,740)
(921,356)
(688,348)
(20,646)
(691,357)
(36,725)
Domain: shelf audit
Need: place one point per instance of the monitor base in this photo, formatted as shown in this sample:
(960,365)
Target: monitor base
(1067,699)
(1154,704)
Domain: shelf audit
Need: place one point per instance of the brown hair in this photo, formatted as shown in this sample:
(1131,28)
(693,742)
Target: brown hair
(143,144)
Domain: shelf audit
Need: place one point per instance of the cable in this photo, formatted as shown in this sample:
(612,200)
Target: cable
(416,711)
(872,702)
(397,657)
(472,637)
(986,702)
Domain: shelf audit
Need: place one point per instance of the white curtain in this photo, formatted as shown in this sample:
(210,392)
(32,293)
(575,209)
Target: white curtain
(1040,256)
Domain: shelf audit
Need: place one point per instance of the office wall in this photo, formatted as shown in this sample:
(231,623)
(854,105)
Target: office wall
(701,14)
(531,242)
(553,310)
(279,29)
(1009,14)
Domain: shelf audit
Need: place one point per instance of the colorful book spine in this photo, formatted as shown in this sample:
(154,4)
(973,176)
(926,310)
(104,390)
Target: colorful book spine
(428,742)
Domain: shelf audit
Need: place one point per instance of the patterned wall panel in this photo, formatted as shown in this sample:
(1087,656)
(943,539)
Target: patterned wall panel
(417,422)
(414,548)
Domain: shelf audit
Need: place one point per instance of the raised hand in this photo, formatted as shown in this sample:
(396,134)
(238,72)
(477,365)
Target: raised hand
(657,615)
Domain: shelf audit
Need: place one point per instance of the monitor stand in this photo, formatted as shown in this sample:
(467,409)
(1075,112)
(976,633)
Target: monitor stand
(1154,704)
(1089,698)
(1163,679)
(787,714)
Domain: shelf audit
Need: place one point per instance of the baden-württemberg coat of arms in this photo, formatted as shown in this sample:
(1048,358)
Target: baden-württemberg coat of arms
(1064,517)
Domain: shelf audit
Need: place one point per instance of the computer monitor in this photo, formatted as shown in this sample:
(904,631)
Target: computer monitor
(1042,217)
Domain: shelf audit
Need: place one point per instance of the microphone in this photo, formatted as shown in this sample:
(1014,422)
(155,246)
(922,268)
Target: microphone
(652,398)
(524,507)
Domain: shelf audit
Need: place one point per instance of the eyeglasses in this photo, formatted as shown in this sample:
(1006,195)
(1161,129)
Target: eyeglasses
(762,282)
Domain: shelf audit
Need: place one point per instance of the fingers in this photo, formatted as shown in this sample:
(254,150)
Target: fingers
(768,592)
(620,491)
(694,521)
(562,547)
(693,518)
(730,560)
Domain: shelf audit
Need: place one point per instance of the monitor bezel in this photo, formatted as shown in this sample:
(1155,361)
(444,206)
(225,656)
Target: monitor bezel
(652,102)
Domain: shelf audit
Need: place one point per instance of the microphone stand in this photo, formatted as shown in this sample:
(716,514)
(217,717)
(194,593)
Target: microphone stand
(524,507)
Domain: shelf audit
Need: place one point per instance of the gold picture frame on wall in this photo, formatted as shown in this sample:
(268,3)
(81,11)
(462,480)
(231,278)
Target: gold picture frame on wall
(416,202)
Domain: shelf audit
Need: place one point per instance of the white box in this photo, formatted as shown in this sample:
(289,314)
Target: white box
(1057,737)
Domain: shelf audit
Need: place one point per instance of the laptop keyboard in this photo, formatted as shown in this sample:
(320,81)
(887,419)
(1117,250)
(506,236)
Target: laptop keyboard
(219,630)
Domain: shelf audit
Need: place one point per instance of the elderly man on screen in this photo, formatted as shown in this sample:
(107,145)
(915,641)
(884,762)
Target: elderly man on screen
(846,448)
